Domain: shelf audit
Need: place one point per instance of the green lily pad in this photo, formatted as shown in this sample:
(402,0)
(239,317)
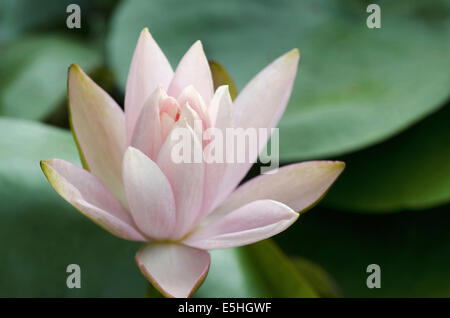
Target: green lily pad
(21,16)
(42,234)
(355,87)
(34,73)
(411,248)
(409,171)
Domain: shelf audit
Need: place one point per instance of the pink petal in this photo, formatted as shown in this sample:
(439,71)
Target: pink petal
(190,116)
(147,131)
(221,109)
(221,113)
(263,100)
(193,69)
(260,105)
(149,195)
(191,96)
(299,185)
(248,224)
(186,179)
(99,128)
(175,270)
(167,124)
(87,194)
(149,68)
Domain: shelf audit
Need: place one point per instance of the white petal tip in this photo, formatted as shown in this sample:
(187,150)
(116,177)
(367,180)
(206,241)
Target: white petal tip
(198,44)
(145,32)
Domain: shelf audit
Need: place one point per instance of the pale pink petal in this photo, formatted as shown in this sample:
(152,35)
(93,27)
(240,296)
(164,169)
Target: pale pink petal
(149,195)
(299,185)
(87,194)
(147,132)
(221,113)
(193,69)
(149,68)
(220,109)
(167,124)
(170,106)
(191,96)
(261,104)
(175,270)
(192,118)
(263,100)
(248,224)
(186,176)
(98,125)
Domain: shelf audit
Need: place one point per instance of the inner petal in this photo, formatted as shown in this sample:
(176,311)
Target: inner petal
(190,96)
(169,105)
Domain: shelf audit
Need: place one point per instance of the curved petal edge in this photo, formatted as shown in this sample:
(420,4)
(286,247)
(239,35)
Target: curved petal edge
(175,270)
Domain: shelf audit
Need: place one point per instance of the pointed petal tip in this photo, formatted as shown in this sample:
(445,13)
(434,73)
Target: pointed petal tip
(198,44)
(44,167)
(145,33)
(225,88)
(75,68)
(75,71)
(338,165)
(293,54)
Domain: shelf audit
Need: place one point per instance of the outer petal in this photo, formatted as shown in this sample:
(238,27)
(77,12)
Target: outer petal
(263,100)
(175,270)
(149,68)
(250,223)
(87,194)
(186,179)
(149,195)
(260,105)
(147,131)
(299,186)
(193,69)
(99,128)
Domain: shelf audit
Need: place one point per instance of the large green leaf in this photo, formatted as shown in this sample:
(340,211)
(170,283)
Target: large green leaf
(41,234)
(412,249)
(355,86)
(411,171)
(34,73)
(21,16)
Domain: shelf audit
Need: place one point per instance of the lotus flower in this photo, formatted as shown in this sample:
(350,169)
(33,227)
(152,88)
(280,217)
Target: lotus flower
(130,186)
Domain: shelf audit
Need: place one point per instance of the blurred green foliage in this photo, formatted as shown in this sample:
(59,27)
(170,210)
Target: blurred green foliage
(363,96)
(33,70)
(411,247)
(411,170)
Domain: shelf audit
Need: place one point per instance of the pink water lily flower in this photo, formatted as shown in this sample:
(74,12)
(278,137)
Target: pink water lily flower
(130,186)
